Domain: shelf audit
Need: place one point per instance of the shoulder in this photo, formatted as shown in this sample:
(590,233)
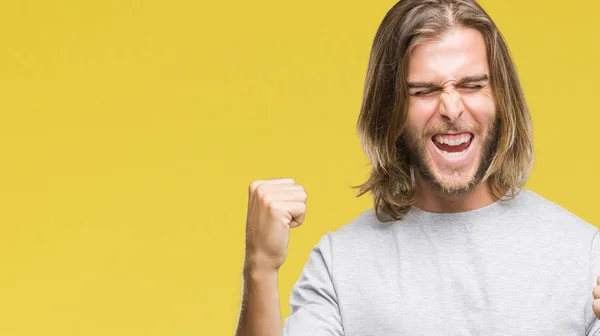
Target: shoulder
(363,232)
(542,211)
(365,223)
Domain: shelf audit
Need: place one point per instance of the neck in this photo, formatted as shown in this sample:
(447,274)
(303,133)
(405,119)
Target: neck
(427,198)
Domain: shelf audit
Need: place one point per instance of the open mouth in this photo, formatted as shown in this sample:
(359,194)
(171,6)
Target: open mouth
(453,145)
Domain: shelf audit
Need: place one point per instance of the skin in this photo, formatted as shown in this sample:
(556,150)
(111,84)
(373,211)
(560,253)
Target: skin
(449,94)
(274,207)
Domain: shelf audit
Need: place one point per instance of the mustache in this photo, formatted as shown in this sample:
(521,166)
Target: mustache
(452,128)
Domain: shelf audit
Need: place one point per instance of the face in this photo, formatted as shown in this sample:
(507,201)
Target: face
(451,123)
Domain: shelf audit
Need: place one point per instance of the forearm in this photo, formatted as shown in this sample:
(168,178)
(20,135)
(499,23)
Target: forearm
(260,305)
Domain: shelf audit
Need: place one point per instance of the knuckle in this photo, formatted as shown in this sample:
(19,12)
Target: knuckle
(254,185)
(267,199)
(260,191)
(271,206)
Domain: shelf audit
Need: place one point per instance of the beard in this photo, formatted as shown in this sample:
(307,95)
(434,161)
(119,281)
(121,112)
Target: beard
(415,149)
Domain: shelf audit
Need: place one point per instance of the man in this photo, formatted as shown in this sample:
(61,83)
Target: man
(453,246)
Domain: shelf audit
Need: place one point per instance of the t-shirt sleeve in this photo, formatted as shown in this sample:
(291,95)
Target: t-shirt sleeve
(314,306)
(593,324)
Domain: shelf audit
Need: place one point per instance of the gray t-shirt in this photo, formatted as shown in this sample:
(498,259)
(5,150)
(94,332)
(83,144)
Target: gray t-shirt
(519,267)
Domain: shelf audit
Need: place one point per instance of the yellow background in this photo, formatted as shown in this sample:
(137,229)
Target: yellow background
(130,131)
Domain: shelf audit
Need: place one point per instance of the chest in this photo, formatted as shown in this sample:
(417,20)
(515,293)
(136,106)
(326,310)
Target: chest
(466,293)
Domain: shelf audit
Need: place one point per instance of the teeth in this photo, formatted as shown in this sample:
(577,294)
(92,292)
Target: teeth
(454,155)
(453,142)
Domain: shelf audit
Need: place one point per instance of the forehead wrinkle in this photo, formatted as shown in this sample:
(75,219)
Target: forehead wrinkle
(458,53)
(438,82)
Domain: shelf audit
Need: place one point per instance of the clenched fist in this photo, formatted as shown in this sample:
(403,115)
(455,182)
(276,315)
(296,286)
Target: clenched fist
(274,206)
(596,303)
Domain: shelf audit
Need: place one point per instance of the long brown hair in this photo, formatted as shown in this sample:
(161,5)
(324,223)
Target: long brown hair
(381,123)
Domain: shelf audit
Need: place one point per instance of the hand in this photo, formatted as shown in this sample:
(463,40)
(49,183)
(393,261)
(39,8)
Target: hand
(596,303)
(274,206)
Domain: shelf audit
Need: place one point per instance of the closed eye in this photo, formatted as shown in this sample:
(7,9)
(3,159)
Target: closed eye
(424,93)
(472,87)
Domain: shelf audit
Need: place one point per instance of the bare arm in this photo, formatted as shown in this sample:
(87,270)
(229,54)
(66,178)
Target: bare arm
(260,305)
(274,206)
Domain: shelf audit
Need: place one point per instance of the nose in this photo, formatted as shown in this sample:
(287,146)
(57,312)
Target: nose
(451,106)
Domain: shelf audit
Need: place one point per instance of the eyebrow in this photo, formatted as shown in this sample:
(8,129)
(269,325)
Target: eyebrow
(464,80)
